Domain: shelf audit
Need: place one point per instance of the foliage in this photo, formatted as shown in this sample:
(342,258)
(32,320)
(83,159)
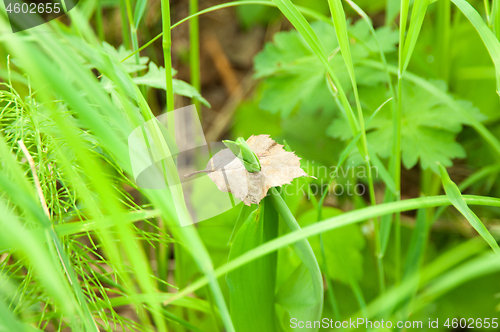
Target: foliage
(295,78)
(411,83)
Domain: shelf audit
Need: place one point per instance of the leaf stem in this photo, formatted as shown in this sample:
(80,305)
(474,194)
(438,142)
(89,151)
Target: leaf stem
(339,21)
(194,51)
(396,159)
(99,21)
(167,52)
(302,247)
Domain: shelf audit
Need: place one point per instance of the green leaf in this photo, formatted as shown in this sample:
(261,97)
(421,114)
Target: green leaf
(251,286)
(335,223)
(429,128)
(297,297)
(140,7)
(490,40)
(155,78)
(453,193)
(301,295)
(296,77)
(462,108)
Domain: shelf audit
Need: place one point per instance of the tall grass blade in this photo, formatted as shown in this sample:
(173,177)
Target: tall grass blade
(334,223)
(489,39)
(417,18)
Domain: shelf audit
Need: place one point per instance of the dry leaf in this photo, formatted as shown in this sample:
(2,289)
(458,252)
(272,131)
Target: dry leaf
(278,167)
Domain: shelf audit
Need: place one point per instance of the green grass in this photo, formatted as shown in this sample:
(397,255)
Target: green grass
(83,248)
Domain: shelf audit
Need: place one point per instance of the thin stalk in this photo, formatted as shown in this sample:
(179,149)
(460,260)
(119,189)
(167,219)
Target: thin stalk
(339,21)
(495,23)
(167,52)
(303,10)
(397,180)
(180,263)
(125,31)
(331,295)
(443,25)
(396,160)
(133,30)
(99,22)
(194,52)
(162,256)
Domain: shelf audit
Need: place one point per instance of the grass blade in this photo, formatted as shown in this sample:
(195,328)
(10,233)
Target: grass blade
(304,10)
(167,52)
(417,18)
(334,223)
(459,203)
(339,21)
(302,295)
(488,37)
(194,51)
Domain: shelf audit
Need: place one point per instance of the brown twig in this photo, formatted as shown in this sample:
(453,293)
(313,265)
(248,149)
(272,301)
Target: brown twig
(222,64)
(197,172)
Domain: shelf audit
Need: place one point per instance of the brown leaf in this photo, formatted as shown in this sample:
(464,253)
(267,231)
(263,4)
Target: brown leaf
(278,167)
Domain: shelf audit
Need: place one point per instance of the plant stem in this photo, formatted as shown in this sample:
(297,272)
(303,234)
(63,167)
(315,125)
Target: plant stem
(302,247)
(339,21)
(443,39)
(99,23)
(194,52)
(167,52)
(396,160)
(125,31)
(303,10)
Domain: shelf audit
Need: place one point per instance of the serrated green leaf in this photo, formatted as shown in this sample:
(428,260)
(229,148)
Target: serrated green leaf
(296,77)
(429,128)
